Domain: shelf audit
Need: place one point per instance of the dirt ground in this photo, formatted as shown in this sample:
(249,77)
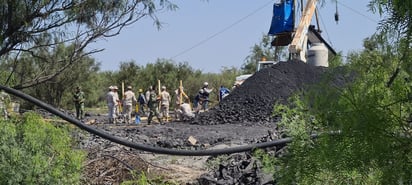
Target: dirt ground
(110,162)
(244,117)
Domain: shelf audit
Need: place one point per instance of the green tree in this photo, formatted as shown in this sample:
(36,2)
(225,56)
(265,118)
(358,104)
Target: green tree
(36,152)
(371,112)
(33,28)
(262,50)
(58,90)
(373,119)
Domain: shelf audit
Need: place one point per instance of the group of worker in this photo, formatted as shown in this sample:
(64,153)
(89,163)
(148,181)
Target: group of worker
(150,104)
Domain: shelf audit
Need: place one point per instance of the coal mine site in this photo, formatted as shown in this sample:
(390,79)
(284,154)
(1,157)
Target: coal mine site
(244,117)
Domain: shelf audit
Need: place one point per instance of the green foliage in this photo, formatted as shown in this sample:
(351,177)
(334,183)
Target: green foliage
(215,161)
(269,162)
(261,50)
(373,119)
(35,152)
(34,30)
(169,73)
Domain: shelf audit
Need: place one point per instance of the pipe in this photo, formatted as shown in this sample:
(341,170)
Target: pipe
(144,147)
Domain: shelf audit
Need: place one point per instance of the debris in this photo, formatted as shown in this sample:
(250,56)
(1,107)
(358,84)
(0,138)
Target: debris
(192,140)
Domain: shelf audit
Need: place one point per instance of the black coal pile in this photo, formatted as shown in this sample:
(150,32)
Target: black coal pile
(253,101)
(237,169)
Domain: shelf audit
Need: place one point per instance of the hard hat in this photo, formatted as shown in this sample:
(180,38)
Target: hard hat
(205,84)
(115,87)
(200,90)
(129,87)
(111,87)
(163,87)
(140,90)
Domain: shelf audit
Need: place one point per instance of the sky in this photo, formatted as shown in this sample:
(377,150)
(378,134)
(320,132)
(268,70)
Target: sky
(210,35)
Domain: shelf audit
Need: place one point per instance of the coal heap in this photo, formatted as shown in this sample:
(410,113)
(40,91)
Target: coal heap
(253,101)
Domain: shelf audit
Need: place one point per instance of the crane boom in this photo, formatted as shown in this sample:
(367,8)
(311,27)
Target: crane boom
(297,47)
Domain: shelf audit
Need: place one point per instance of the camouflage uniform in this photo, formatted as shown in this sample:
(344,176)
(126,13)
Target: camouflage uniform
(153,105)
(4,103)
(79,98)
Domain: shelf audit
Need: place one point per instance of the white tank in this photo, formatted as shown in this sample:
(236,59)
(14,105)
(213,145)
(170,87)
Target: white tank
(318,55)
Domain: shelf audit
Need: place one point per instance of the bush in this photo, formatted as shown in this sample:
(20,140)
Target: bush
(34,151)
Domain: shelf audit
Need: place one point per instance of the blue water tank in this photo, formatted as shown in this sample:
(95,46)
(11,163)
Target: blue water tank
(318,55)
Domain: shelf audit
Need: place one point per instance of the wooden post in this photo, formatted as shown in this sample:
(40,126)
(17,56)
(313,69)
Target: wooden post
(122,89)
(180,92)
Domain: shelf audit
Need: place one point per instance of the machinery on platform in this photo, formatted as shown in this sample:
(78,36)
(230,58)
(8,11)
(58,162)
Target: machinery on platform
(304,42)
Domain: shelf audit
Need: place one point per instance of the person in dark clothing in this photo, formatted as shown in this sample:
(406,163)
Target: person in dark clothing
(78,99)
(153,105)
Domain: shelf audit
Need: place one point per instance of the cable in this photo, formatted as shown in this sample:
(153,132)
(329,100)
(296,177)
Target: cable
(353,10)
(326,31)
(219,32)
(143,147)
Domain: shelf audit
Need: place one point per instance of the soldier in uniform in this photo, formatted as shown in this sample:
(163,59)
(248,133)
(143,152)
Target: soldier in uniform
(129,99)
(111,104)
(4,103)
(79,98)
(153,104)
(165,103)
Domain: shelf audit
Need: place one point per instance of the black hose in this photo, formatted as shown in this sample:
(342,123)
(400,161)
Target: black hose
(144,147)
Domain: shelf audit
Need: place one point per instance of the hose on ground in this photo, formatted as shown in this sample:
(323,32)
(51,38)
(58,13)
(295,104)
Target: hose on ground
(143,147)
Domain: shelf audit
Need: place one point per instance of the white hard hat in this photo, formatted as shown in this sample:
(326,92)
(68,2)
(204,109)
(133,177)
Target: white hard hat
(200,90)
(205,84)
(163,87)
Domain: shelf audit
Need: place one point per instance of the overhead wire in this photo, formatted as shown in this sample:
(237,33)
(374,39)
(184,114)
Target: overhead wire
(222,31)
(357,12)
(324,28)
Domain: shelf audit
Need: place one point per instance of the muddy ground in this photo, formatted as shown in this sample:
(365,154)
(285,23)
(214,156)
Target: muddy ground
(244,117)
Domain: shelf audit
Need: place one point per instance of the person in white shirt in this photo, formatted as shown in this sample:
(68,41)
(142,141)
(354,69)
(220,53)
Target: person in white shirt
(185,112)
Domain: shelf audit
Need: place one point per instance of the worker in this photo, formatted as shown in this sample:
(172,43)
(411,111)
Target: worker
(206,94)
(118,104)
(78,99)
(184,112)
(129,99)
(199,101)
(4,103)
(147,95)
(223,92)
(111,104)
(165,103)
(180,97)
(236,85)
(142,103)
(153,104)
